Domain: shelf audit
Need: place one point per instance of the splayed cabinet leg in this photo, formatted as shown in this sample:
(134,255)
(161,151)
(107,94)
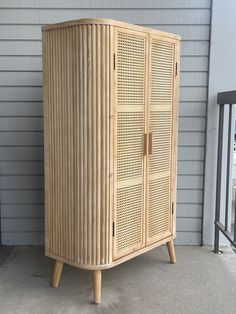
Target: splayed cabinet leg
(97,286)
(171,250)
(57,274)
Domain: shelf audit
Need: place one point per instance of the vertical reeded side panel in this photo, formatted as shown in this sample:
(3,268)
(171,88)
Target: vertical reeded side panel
(78,143)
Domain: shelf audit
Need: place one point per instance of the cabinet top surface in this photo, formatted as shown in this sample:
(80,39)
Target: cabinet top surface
(111,22)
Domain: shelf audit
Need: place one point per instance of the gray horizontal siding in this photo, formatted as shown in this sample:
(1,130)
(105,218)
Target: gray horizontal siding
(192,139)
(104,4)
(22,183)
(190,153)
(20,168)
(131,15)
(21,122)
(192,109)
(17,138)
(22,196)
(19,109)
(22,238)
(187,238)
(21,153)
(22,211)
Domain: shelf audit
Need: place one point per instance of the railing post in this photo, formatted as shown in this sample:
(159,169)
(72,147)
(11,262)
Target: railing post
(219,174)
(229,151)
(235,216)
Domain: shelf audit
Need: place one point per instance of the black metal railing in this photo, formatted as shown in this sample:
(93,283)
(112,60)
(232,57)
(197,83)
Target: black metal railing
(226,101)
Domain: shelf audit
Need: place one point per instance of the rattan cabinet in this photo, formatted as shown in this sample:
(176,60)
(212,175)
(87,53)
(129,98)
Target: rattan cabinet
(110,121)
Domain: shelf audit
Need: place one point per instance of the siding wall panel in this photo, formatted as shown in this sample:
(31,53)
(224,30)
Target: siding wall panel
(104,4)
(21,168)
(21,109)
(21,131)
(20,78)
(21,153)
(189,210)
(192,109)
(136,16)
(22,211)
(16,138)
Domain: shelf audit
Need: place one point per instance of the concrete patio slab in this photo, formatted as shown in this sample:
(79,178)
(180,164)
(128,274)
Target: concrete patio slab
(200,282)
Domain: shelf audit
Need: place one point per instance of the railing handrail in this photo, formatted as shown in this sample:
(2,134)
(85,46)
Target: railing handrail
(228,97)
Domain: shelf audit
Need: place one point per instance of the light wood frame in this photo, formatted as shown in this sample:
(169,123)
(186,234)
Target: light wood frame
(86,238)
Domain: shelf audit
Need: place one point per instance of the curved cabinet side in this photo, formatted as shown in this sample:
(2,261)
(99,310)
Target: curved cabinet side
(78,143)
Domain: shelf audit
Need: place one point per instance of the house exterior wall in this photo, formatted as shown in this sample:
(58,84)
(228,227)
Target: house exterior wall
(21,120)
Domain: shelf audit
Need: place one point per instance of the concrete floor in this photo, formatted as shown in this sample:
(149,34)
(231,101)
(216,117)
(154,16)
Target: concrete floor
(200,282)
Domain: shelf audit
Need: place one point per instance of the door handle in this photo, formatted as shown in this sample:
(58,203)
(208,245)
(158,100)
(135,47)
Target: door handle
(150,144)
(145,144)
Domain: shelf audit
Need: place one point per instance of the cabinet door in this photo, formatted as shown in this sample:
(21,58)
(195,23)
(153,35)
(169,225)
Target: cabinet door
(160,125)
(130,94)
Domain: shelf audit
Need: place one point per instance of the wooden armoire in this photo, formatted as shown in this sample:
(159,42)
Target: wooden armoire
(110,125)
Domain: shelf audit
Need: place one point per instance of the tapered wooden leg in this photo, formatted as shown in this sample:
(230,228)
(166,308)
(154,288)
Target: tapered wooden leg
(97,286)
(171,250)
(57,274)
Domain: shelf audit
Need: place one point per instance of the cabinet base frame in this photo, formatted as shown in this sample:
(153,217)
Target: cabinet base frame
(97,269)
(115,262)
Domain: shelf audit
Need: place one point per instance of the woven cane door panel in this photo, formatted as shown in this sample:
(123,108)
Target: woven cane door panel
(160,125)
(130,75)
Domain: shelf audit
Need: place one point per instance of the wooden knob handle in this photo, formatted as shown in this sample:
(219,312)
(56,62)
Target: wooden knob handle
(150,144)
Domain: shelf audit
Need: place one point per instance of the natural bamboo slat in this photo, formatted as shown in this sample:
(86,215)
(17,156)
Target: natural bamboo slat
(77,166)
(110,132)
